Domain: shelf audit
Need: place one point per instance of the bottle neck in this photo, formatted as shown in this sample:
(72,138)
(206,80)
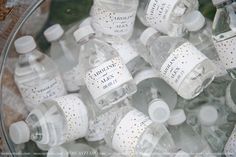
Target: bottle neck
(222,5)
(153,94)
(152,39)
(34,55)
(86,39)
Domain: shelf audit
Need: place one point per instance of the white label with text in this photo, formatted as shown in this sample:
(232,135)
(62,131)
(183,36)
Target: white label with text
(180,63)
(158,13)
(107,77)
(112,23)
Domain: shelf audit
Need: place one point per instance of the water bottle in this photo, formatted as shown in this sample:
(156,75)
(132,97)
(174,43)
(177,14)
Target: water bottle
(134,134)
(72,150)
(208,118)
(53,122)
(105,75)
(166,15)
(114,17)
(180,64)
(65,55)
(184,136)
(154,97)
(224,35)
(36,75)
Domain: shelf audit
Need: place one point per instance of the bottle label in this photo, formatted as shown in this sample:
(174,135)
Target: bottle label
(180,63)
(229,149)
(227,52)
(107,77)
(76,116)
(129,131)
(158,13)
(72,79)
(112,23)
(38,92)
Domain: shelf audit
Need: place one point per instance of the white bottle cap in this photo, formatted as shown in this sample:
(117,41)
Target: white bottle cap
(147,34)
(159,111)
(217,2)
(53,33)
(208,115)
(182,154)
(19,132)
(194,21)
(177,117)
(145,74)
(83,32)
(25,44)
(85,22)
(57,152)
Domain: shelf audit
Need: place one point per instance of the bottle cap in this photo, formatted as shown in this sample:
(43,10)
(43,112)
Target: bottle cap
(57,152)
(147,34)
(217,2)
(194,21)
(85,22)
(25,44)
(145,74)
(19,132)
(83,32)
(159,111)
(53,33)
(177,117)
(182,154)
(208,115)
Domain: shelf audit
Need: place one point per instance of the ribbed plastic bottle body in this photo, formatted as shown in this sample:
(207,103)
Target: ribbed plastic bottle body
(38,78)
(47,125)
(65,54)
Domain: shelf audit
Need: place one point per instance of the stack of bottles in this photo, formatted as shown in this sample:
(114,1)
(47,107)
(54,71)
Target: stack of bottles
(149,85)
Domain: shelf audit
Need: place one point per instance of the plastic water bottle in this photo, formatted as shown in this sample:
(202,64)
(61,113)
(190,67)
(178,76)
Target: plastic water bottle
(36,75)
(134,134)
(208,117)
(53,122)
(72,150)
(114,17)
(154,97)
(224,35)
(166,15)
(105,75)
(65,55)
(180,64)
(184,136)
